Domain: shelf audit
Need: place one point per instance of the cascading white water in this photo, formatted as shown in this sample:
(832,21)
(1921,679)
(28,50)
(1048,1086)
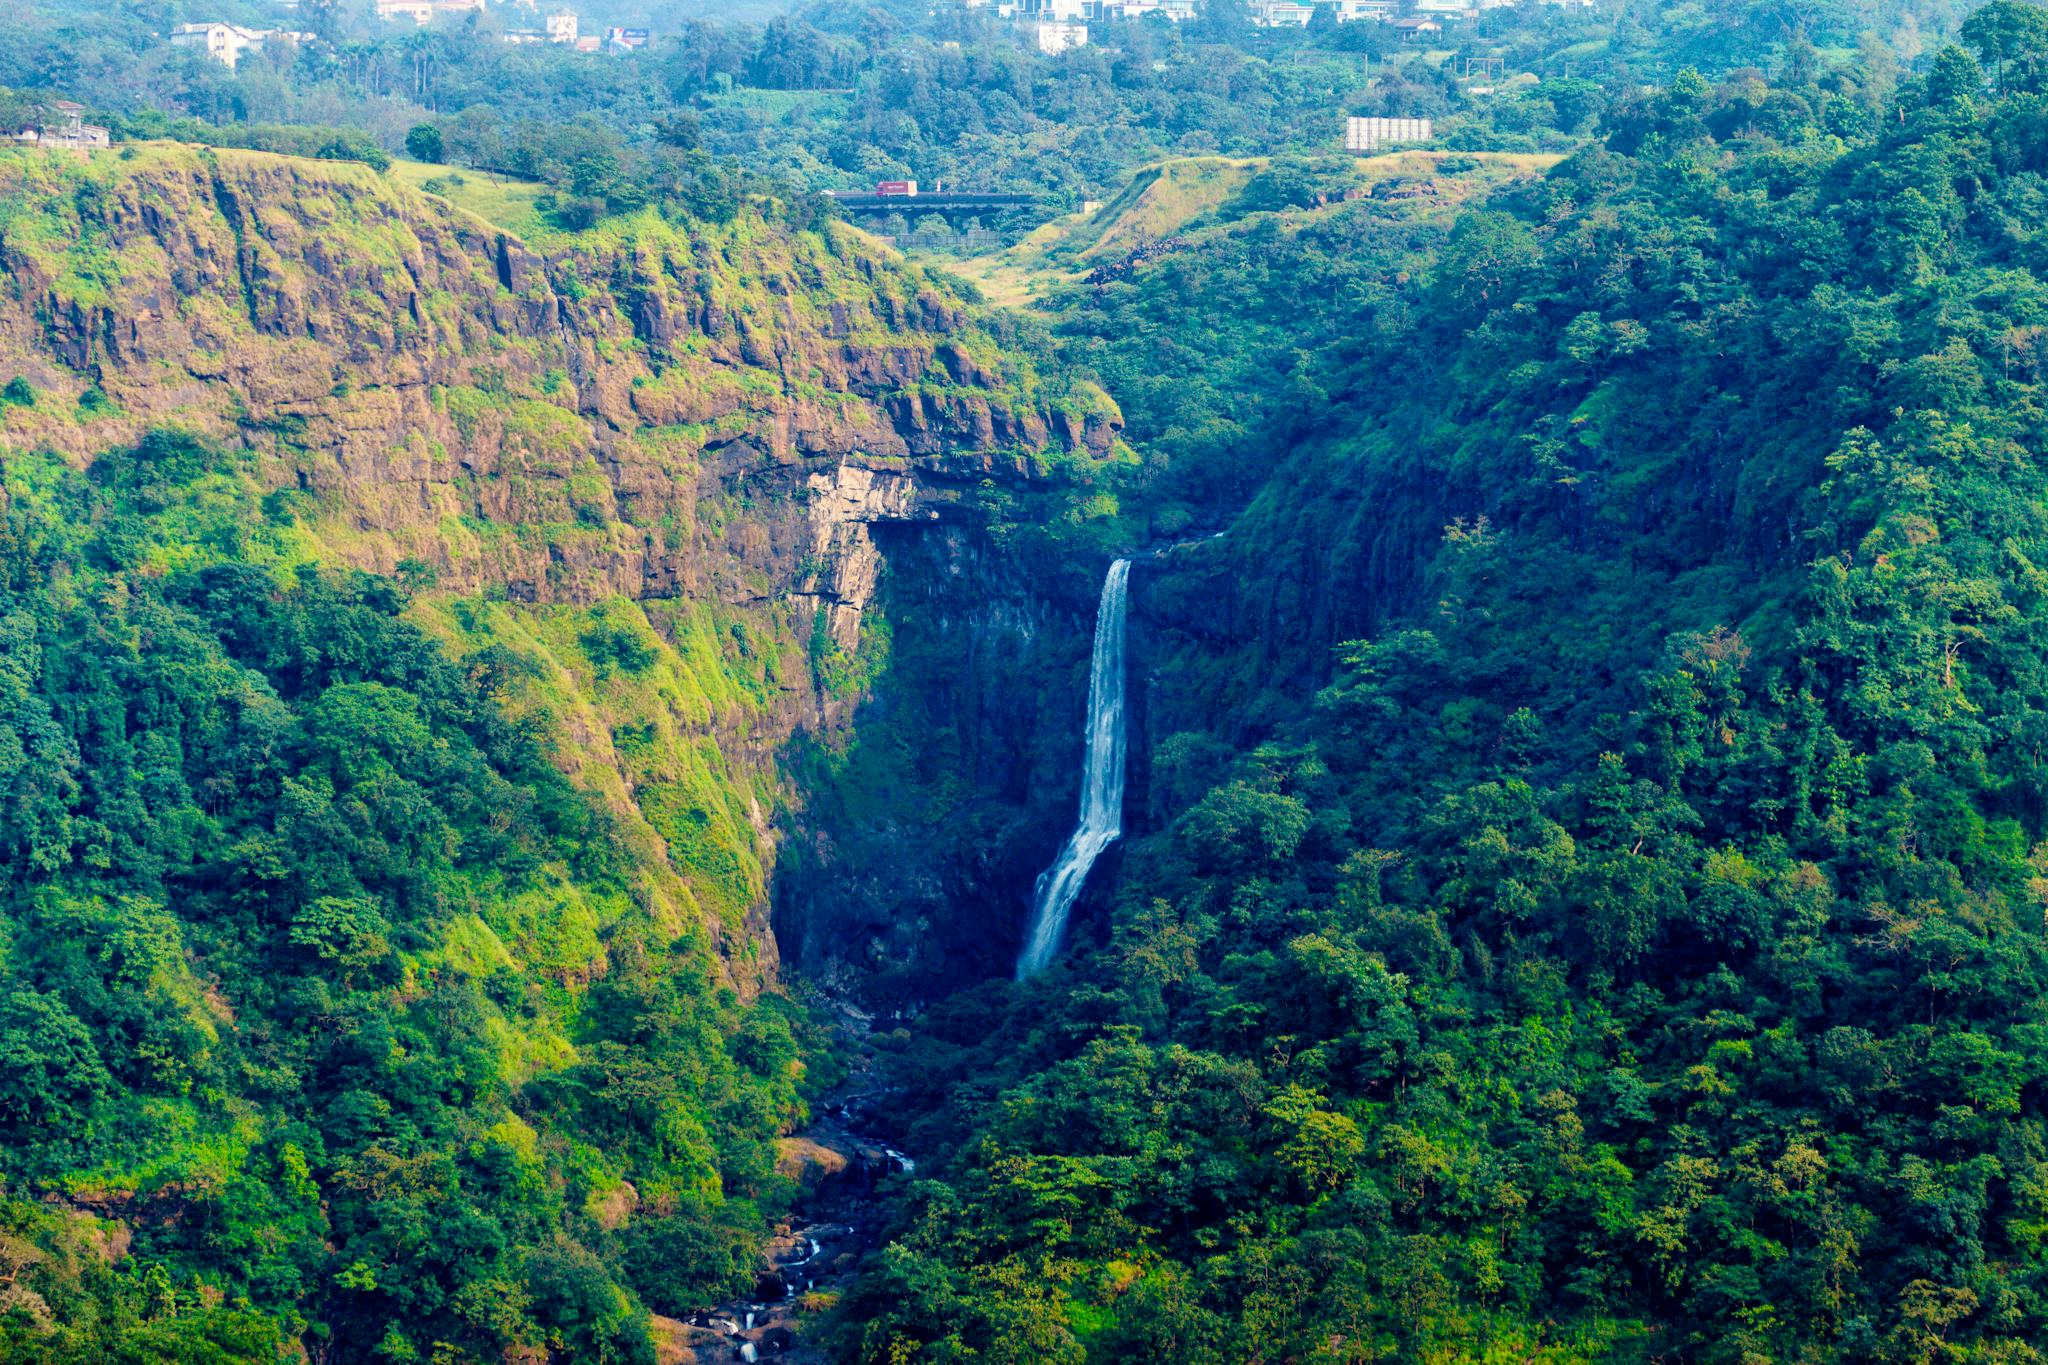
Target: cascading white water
(1102,781)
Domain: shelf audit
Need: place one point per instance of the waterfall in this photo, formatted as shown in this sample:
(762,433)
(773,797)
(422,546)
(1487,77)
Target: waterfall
(1102,780)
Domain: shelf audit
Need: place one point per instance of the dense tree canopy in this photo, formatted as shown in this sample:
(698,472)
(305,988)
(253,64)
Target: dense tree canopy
(1585,875)
(280,986)
(1587,901)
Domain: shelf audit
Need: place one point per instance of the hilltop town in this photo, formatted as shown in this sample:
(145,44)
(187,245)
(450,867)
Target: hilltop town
(1051,27)
(227,43)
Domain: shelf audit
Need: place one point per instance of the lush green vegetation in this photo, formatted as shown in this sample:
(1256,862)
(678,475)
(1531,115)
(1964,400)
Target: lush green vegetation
(1587,895)
(837,96)
(1588,845)
(296,970)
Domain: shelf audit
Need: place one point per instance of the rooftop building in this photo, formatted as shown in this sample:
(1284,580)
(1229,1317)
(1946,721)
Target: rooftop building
(1354,11)
(1173,11)
(226,43)
(1280,13)
(1054,11)
(422,11)
(63,125)
(1053,39)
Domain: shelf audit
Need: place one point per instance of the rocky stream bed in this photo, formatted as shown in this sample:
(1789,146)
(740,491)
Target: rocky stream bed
(816,1252)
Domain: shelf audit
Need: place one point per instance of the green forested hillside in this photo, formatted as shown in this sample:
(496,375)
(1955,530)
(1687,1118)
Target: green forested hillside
(1585,893)
(282,945)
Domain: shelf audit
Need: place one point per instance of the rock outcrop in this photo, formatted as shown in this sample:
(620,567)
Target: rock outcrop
(409,364)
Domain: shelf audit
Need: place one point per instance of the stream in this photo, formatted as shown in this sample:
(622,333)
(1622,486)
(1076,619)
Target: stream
(817,1250)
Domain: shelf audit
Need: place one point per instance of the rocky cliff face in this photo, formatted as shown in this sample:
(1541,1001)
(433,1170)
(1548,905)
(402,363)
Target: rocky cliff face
(696,429)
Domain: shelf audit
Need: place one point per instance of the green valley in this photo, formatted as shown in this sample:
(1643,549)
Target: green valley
(1433,755)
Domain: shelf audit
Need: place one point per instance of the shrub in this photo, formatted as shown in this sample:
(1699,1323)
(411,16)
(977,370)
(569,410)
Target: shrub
(579,214)
(423,143)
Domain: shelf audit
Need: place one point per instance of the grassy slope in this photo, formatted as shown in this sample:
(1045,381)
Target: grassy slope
(1187,193)
(498,200)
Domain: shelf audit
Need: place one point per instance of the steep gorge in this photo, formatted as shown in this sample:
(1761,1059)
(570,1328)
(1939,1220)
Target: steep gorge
(340,527)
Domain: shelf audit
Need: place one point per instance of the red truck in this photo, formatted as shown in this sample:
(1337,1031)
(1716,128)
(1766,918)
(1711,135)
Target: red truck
(905,188)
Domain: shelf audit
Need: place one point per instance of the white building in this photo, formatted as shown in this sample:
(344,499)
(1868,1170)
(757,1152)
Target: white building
(226,43)
(1280,13)
(1173,11)
(1371,134)
(562,26)
(66,127)
(421,11)
(1054,11)
(1355,11)
(1053,39)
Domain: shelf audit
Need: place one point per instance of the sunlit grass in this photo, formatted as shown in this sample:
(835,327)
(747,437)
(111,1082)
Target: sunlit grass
(498,200)
(1170,197)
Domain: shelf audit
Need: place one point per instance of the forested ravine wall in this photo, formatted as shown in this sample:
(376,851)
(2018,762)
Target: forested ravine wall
(698,429)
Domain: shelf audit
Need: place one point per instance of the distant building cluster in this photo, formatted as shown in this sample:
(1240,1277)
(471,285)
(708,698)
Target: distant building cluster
(1081,11)
(1173,11)
(562,28)
(1054,26)
(1280,13)
(226,43)
(1409,17)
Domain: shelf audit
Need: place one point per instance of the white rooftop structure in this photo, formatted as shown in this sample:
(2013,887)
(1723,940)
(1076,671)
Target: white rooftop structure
(1173,11)
(1371,134)
(226,43)
(1053,39)
(1280,13)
